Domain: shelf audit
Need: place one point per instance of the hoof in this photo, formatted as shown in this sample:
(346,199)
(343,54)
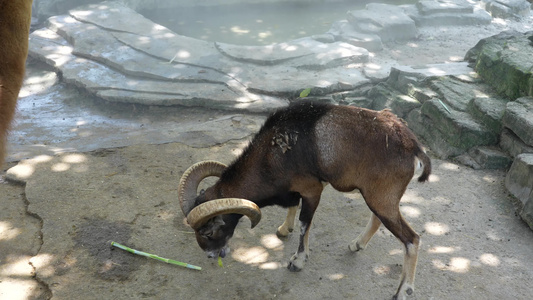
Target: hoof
(354,247)
(283,233)
(293,268)
(297,262)
(401,296)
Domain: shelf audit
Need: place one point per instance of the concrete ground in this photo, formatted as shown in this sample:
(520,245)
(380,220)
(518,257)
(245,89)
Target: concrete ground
(93,173)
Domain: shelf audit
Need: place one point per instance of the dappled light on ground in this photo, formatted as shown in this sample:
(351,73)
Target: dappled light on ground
(7,231)
(125,187)
(435,228)
(253,255)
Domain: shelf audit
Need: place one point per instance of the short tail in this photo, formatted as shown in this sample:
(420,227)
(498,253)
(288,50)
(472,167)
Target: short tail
(426,161)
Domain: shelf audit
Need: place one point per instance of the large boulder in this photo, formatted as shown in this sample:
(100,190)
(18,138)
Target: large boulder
(505,62)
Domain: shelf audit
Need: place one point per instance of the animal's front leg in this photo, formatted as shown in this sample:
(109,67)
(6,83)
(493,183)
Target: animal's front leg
(287,226)
(309,206)
(299,258)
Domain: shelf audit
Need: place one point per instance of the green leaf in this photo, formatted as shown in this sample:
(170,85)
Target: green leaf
(305,93)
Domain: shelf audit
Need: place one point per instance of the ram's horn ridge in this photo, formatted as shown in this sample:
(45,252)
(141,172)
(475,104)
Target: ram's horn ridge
(210,209)
(191,178)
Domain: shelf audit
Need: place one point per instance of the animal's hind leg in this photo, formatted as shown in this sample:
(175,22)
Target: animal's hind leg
(396,224)
(362,240)
(385,204)
(288,225)
(411,240)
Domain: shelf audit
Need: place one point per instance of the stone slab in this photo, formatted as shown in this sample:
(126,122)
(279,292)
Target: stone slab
(513,144)
(527,212)
(387,21)
(426,128)
(477,17)
(344,31)
(507,8)
(413,80)
(490,111)
(384,96)
(113,15)
(291,81)
(454,93)
(305,52)
(490,158)
(519,179)
(519,118)
(115,86)
(458,128)
(99,45)
(444,6)
(434,70)
(330,55)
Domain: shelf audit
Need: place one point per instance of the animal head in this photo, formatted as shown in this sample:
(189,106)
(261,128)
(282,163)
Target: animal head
(213,220)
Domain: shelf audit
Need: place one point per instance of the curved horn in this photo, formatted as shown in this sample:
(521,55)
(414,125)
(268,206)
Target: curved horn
(210,209)
(188,186)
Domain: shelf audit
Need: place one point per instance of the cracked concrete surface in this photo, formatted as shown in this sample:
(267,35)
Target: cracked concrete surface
(78,196)
(20,240)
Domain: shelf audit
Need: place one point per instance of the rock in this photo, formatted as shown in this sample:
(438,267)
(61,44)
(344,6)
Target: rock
(519,179)
(413,80)
(505,62)
(467,160)
(114,86)
(345,31)
(384,96)
(490,158)
(444,6)
(97,49)
(290,81)
(447,12)
(457,128)
(512,144)
(357,101)
(44,9)
(519,182)
(488,110)
(389,22)
(304,53)
(356,97)
(101,46)
(453,92)
(506,8)
(518,117)
(527,212)
(324,38)
(426,128)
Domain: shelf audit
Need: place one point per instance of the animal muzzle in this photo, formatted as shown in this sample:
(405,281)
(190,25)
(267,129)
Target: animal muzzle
(216,253)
